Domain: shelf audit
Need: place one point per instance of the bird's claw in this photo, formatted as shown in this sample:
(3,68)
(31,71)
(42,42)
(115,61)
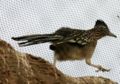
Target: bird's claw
(100,68)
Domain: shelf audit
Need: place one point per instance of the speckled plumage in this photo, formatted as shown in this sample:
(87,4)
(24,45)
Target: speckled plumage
(71,44)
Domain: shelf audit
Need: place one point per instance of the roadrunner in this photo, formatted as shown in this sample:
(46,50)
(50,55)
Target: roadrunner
(71,44)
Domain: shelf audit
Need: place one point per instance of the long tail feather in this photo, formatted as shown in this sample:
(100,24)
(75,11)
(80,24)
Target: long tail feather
(28,37)
(36,39)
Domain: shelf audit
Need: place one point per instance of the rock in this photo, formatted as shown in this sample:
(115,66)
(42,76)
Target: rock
(23,68)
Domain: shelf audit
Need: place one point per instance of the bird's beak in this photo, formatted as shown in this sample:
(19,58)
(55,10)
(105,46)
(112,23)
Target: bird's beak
(111,34)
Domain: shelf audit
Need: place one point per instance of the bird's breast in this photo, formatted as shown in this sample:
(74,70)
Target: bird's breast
(68,51)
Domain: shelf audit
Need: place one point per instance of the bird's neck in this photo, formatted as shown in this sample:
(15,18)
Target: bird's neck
(95,34)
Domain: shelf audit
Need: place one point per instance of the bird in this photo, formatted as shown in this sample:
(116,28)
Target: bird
(71,44)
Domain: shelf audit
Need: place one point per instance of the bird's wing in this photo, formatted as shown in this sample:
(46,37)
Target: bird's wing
(72,36)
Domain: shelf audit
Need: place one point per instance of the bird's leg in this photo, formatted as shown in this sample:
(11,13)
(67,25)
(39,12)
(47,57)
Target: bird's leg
(54,66)
(55,59)
(99,67)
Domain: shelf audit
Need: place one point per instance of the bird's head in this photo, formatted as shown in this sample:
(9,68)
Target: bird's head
(102,29)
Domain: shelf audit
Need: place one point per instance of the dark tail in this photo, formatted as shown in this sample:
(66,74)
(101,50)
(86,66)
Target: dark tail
(36,39)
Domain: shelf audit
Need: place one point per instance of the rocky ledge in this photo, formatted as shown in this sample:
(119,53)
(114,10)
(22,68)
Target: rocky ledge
(23,68)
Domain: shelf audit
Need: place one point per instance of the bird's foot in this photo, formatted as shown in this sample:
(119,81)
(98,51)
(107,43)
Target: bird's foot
(100,68)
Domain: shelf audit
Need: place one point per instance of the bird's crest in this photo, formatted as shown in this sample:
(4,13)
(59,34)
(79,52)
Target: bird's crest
(100,23)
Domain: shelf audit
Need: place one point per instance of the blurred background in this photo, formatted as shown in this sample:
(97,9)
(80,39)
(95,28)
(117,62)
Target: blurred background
(24,17)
